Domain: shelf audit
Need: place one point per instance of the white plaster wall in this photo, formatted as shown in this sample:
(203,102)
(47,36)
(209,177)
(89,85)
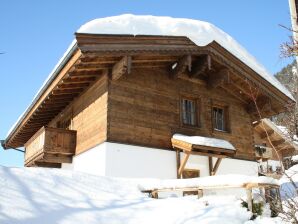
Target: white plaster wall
(237,166)
(139,162)
(121,160)
(227,166)
(197,162)
(92,161)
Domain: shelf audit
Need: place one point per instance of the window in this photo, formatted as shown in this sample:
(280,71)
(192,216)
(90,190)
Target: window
(189,112)
(219,115)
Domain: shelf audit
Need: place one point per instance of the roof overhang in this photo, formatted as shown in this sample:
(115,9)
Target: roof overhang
(93,55)
(282,143)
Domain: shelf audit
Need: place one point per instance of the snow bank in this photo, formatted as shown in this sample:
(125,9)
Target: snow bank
(41,195)
(201,33)
(289,183)
(218,181)
(205,141)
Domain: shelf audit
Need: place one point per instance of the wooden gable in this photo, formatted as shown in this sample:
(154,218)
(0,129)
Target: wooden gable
(97,55)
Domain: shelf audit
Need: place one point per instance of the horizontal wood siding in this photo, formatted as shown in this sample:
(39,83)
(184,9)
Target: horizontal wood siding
(144,109)
(88,115)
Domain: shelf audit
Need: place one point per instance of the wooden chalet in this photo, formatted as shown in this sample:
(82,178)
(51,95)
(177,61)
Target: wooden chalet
(128,95)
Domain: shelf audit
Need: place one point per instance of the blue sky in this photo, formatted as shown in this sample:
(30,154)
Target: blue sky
(35,34)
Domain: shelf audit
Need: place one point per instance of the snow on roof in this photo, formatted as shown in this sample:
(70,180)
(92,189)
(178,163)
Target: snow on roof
(200,32)
(295,158)
(205,141)
(218,181)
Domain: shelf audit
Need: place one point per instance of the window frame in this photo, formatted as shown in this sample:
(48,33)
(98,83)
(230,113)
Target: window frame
(197,103)
(226,121)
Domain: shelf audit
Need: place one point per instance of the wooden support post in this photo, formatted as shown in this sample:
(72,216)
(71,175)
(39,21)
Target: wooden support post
(249,198)
(178,162)
(215,168)
(210,165)
(202,66)
(182,64)
(181,168)
(121,67)
(200,193)
(218,78)
(154,194)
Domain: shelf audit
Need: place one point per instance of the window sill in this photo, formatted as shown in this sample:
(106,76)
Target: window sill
(190,126)
(221,131)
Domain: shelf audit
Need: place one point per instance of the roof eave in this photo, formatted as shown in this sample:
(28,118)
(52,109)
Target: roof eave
(65,58)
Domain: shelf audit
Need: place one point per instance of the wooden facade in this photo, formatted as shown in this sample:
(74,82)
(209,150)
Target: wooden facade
(128,89)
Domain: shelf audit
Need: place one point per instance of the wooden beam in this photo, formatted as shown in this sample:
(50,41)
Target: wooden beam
(121,67)
(249,198)
(220,155)
(72,85)
(56,158)
(178,162)
(216,79)
(266,134)
(79,80)
(215,168)
(66,91)
(182,166)
(57,97)
(181,65)
(210,162)
(263,102)
(234,94)
(200,66)
(278,142)
(47,165)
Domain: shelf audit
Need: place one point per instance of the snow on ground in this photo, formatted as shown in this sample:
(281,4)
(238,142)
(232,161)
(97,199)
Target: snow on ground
(41,195)
(288,182)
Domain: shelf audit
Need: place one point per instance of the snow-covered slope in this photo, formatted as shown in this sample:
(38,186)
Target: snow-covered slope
(47,196)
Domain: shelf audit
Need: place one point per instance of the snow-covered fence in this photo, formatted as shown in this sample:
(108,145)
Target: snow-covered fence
(153,187)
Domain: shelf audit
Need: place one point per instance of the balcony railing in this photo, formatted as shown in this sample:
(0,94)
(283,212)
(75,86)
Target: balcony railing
(50,147)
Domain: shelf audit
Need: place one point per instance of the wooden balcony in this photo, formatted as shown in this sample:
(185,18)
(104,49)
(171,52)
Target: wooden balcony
(49,147)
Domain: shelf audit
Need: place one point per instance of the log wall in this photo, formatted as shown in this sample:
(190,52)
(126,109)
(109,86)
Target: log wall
(143,109)
(87,115)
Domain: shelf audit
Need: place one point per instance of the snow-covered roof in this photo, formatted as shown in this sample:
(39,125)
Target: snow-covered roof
(200,32)
(205,141)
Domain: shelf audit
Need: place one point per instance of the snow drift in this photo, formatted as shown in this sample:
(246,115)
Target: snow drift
(41,195)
